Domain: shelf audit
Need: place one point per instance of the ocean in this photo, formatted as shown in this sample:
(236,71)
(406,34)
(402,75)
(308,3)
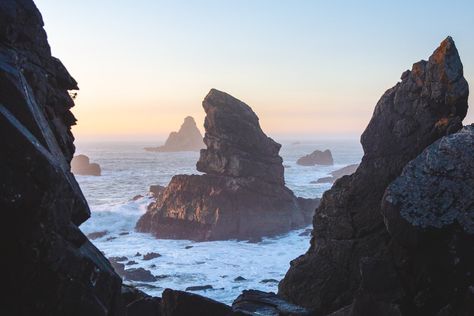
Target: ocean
(128,170)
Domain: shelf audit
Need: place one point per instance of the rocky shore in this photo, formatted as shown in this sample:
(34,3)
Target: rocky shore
(394,237)
(242,194)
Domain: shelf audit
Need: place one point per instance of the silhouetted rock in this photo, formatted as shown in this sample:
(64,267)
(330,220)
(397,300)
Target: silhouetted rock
(242,195)
(179,303)
(253,302)
(199,288)
(53,268)
(429,102)
(317,157)
(118,259)
(80,165)
(151,255)
(131,263)
(345,171)
(96,235)
(188,138)
(269,281)
(240,278)
(139,274)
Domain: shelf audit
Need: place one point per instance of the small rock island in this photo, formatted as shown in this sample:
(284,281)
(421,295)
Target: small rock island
(188,138)
(317,157)
(80,165)
(242,194)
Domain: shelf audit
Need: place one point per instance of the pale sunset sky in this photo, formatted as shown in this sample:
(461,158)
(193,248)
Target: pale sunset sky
(307,68)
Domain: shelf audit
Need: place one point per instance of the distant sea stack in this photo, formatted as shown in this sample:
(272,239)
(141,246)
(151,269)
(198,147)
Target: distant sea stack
(81,165)
(242,193)
(317,157)
(405,250)
(188,138)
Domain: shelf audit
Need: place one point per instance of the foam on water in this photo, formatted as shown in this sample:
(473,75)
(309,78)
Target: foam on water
(128,171)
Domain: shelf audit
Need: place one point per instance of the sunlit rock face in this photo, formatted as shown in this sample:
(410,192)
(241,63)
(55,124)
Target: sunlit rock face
(429,102)
(188,138)
(242,195)
(51,267)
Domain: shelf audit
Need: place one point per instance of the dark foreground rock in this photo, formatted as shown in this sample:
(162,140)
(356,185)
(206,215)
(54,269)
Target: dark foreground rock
(339,173)
(253,302)
(81,165)
(350,233)
(317,157)
(56,270)
(188,138)
(179,303)
(242,195)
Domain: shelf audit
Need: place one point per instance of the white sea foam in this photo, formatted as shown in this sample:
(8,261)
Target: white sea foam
(128,171)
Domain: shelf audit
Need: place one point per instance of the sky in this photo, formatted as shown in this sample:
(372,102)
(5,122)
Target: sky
(307,68)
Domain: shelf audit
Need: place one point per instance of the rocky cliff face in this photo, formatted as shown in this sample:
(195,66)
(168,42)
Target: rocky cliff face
(188,138)
(52,268)
(243,193)
(429,102)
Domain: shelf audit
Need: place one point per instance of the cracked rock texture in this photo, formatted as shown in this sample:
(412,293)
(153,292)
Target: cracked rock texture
(429,103)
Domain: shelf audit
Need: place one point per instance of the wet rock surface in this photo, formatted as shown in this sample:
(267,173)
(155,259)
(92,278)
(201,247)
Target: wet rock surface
(81,165)
(179,303)
(253,302)
(188,138)
(242,195)
(317,157)
(429,103)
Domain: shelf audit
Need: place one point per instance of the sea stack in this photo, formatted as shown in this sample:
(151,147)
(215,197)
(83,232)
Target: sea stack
(242,193)
(352,264)
(188,138)
(317,157)
(80,165)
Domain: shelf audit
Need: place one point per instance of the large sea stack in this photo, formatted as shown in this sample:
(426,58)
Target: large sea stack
(50,267)
(243,193)
(359,262)
(188,138)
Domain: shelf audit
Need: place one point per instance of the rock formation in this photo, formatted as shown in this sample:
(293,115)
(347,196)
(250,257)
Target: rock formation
(243,193)
(350,245)
(345,171)
(317,157)
(52,268)
(188,138)
(80,165)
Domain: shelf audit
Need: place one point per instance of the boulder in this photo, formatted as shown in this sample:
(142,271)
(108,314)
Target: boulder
(317,157)
(179,303)
(57,270)
(188,138)
(242,195)
(429,103)
(151,255)
(139,274)
(429,213)
(80,165)
(253,302)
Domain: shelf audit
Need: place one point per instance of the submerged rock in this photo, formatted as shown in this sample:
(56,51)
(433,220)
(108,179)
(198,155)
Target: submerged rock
(199,288)
(188,138)
(253,302)
(80,165)
(139,274)
(242,195)
(317,157)
(97,235)
(430,102)
(339,173)
(151,255)
(56,270)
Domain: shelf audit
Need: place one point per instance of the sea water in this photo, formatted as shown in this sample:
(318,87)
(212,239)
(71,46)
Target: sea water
(128,170)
